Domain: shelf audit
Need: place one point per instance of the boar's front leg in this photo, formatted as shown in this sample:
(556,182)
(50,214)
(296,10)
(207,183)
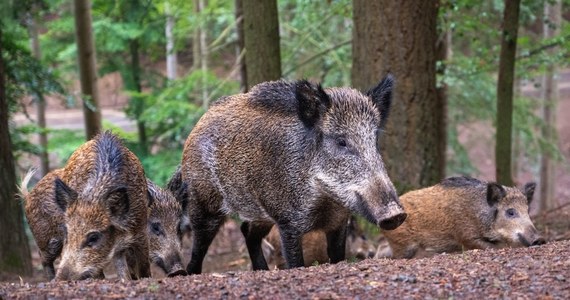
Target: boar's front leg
(120,261)
(254,232)
(53,251)
(291,239)
(138,261)
(336,243)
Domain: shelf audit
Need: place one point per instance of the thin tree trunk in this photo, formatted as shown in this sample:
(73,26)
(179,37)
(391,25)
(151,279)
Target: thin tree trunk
(400,37)
(171,59)
(87,67)
(261,37)
(552,13)
(39,97)
(443,55)
(503,149)
(14,249)
(204,59)
(137,86)
(241,46)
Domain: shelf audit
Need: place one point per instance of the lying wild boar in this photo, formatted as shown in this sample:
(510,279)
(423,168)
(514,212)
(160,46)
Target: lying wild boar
(47,225)
(165,228)
(315,246)
(93,211)
(291,154)
(462,213)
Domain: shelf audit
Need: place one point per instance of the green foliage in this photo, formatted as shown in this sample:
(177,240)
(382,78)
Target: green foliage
(316,43)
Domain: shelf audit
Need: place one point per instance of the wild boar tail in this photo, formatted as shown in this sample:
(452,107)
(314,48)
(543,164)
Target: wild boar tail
(23,188)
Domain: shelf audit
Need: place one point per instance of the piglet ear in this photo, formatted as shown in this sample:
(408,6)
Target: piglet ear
(313,102)
(529,191)
(381,95)
(64,195)
(182,196)
(495,192)
(118,203)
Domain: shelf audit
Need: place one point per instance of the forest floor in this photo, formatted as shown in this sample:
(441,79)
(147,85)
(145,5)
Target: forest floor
(541,272)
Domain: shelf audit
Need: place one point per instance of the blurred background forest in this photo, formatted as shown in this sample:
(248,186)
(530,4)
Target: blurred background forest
(149,69)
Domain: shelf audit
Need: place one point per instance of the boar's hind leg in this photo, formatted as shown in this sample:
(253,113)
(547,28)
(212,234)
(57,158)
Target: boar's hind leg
(254,232)
(291,240)
(204,229)
(336,242)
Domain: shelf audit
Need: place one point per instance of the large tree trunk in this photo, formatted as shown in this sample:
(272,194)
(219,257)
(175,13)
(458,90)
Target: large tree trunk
(137,86)
(87,67)
(261,35)
(443,55)
(552,13)
(14,249)
(241,46)
(39,97)
(171,59)
(503,148)
(400,37)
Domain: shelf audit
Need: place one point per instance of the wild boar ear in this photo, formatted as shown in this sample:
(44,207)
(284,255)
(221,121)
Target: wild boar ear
(529,191)
(118,202)
(175,181)
(495,192)
(64,195)
(313,102)
(381,95)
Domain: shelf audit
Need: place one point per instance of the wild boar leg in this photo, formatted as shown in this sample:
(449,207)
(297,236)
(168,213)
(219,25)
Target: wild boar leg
(50,255)
(291,239)
(254,233)
(203,232)
(138,265)
(120,261)
(336,243)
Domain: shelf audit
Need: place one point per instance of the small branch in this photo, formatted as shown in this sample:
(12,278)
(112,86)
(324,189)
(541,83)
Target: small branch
(308,60)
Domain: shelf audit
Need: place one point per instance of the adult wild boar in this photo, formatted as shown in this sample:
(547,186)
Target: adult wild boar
(96,208)
(291,154)
(463,213)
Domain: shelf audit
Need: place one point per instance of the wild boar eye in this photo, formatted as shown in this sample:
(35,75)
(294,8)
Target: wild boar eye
(92,239)
(511,213)
(156,228)
(341,142)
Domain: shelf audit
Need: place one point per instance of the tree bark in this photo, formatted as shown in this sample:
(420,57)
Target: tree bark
(39,97)
(171,57)
(400,37)
(241,46)
(137,86)
(552,16)
(261,38)
(14,249)
(503,148)
(87,67)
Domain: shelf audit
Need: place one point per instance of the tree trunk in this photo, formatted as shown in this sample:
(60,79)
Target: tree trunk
(171,59)
(87,67)
(552,13)
(400,37)
(14,249)
(443,55)
(39,97)
(503,148)
(241,46)
(137,87)
(204,60)
(261,38)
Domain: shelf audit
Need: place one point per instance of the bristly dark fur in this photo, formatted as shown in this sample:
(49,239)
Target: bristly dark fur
(461,181)
(109,154)
(312,102)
